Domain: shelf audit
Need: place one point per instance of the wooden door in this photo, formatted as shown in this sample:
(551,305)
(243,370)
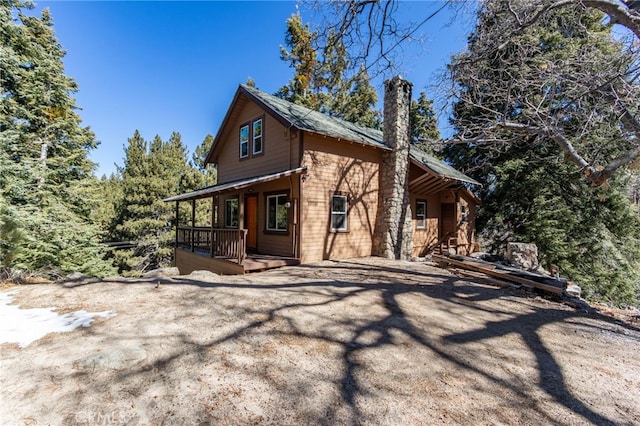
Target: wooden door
(251,221)
(448,220)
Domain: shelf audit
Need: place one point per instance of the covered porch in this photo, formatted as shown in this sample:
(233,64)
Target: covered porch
(233,240)
(222,251)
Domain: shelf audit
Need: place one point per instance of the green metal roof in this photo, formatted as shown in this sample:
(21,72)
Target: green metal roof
(309,120)
(234,185)
(439,167)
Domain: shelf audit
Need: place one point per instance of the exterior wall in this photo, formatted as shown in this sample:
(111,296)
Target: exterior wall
(280,147)
(467,229)
(268,242)
(428,236)
(347,169)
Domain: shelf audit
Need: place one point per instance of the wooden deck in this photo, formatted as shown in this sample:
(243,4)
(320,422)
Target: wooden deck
(188,261)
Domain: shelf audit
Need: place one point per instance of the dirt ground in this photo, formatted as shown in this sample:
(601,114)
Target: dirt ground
(364,341)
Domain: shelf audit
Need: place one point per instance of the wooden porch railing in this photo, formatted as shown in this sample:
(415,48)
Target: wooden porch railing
(226,243)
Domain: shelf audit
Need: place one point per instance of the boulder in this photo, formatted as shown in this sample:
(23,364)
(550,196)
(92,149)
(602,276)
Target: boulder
(77,279)
(523,255)
(162,273)
(573,290)
(202,275)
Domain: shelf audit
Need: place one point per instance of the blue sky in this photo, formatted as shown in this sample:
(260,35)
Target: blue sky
(160,66)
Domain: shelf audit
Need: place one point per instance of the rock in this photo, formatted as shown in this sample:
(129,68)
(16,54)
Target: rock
(77,279)
(162,273)
(573,290)
(202,275)
(523,255)
(487,257)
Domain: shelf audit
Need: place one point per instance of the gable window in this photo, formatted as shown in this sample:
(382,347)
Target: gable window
(277,212)
(252,138)
(339,207)
(244,141)
(231,213)
(257,136)
(421,214)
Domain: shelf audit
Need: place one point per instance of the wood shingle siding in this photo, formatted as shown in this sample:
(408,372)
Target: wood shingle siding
(338,167)
(280,148)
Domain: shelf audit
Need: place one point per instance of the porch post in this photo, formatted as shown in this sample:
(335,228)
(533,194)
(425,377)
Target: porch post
(213,223)
(193,224)
(175,243)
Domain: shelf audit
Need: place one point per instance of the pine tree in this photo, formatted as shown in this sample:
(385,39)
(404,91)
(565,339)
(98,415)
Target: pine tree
(530,192)
(151,173)
(321,81)
(45,172)
(304,88)
(424,125)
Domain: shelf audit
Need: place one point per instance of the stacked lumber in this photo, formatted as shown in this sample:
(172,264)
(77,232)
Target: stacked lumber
(502,275)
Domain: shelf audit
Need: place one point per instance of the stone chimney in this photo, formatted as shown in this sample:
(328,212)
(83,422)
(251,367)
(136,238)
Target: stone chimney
(393,237)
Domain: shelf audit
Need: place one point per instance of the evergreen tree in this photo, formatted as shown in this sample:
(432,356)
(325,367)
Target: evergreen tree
(424,125)
(151,172)
(304,88)
(104,217)
(530,193)
(358,107)
(45,173)
(321,82)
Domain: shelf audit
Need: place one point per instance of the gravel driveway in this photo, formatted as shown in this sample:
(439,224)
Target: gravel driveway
(365,341)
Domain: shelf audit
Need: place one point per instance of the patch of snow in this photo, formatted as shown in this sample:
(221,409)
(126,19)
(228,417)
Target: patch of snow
(25,326)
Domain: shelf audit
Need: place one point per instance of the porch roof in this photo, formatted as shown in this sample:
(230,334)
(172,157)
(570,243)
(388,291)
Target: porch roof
(235,185)
(439,167)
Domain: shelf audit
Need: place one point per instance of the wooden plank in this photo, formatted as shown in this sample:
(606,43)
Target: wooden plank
(487,278)
(543,279)
(499,274)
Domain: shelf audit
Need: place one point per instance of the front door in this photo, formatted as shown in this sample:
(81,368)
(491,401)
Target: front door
(251,221)
(448,220)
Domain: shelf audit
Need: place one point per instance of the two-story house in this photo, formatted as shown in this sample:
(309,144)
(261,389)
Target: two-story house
(296,186)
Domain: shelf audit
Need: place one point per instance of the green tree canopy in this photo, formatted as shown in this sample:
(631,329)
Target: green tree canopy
(530,192)
(424,125)
(152,172)
(45,174)
(323,81)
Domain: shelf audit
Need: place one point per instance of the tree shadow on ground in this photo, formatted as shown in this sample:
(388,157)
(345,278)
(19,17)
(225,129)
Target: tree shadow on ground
(340,282)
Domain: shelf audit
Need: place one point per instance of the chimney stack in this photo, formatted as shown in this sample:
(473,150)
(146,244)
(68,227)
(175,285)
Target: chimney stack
(393,237)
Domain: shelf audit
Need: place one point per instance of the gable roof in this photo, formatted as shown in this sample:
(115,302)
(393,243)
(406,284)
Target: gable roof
(309,120)
(303,118)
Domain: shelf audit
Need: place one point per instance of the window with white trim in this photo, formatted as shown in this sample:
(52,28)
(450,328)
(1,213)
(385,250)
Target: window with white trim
(277,212)
(339,209)
(421,214)
(244,141)
(257,136)
(231,213)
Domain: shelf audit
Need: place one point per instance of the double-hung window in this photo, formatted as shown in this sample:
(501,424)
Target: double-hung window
(244,141)
(339,209)
(277,212)
(257,136)
(252,138)
(421,214)
(231,213)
